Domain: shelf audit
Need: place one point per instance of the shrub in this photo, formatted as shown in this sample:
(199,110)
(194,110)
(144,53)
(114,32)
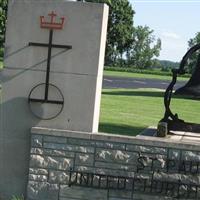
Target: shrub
(1,54)
(142,71)
(17,198)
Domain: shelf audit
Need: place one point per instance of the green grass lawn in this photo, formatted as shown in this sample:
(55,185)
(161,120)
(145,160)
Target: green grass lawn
(128,111)
(138,75)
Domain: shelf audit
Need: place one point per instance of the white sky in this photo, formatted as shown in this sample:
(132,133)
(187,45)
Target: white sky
(174,22)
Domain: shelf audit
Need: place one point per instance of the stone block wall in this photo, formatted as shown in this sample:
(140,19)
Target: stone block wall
(110,167)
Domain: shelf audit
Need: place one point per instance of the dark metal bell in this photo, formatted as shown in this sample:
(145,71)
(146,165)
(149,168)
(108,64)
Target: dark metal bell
(192,87)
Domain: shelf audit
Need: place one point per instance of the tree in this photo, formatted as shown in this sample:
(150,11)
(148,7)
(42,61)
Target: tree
(168,65)
(193,59)
(120,29)
(3,12)
(144,48)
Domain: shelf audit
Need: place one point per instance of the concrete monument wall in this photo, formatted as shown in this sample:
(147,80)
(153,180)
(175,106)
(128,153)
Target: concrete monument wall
(76,71)
(66,165)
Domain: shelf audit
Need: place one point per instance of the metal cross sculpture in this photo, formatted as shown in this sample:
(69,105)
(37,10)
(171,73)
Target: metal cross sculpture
(39,105)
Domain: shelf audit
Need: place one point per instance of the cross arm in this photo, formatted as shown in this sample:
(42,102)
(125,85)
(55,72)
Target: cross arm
(47,45)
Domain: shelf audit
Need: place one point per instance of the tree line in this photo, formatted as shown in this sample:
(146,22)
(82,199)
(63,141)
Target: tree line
(127,45)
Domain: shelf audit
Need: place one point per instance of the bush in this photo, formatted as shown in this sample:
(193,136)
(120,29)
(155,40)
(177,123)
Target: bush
(1,54)
(17,198)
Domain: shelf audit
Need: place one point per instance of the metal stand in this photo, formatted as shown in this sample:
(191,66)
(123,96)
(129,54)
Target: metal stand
(170,120)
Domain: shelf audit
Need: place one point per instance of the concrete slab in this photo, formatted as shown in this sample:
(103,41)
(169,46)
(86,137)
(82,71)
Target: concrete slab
(150,131)
(173,135)
(76,72)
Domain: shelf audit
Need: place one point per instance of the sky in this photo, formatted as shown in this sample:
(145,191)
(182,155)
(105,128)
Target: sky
(173,21)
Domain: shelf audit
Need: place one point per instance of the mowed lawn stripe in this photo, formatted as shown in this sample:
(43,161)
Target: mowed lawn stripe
(141,75)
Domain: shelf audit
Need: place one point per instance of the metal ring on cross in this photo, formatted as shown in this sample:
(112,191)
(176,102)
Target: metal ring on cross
(46,106)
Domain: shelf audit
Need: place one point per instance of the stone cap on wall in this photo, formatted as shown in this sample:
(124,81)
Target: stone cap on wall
(169,142)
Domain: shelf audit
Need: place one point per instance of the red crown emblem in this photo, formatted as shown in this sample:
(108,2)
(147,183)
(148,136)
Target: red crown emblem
(52,24)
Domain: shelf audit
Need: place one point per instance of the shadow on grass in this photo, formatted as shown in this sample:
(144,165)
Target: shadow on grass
(120,129)
(136,93)
(147,94)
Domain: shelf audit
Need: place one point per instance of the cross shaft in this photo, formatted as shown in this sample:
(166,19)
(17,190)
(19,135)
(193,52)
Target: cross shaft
(50,45)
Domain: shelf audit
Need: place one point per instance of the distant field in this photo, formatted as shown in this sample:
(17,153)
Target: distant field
(130,74)
(140,75)
(128,112)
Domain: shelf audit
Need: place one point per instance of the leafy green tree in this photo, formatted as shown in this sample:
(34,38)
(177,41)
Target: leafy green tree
(193,59)
(120,29)
(144,48)
(167,65)
(3,12)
